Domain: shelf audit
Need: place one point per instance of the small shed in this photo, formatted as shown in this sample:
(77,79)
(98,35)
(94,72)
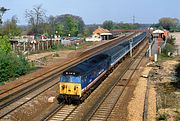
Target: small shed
(158,33)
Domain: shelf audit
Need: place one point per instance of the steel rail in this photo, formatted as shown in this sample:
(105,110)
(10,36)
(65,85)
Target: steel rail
(13,97)
(73,61)
(40,79)
(104,97)
(15,105)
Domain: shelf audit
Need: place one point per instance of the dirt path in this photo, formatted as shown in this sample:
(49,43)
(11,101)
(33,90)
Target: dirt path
(136,105)
(164,92)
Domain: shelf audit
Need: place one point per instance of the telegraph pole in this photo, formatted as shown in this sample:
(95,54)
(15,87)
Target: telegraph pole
(133,19)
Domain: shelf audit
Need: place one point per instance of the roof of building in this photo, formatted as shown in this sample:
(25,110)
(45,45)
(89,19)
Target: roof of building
(101,30)
(158,31)
(106,34)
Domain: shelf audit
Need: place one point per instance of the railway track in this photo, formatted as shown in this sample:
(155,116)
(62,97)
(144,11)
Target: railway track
(25,98)
(85,55)
(103,108)
(65,112)
(106,108)
(9,99)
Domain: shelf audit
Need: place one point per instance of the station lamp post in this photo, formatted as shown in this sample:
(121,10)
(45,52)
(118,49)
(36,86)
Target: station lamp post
(130,42)
(150,46)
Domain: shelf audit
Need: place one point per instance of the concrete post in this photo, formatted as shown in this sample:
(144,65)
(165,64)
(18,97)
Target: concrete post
(54,42)
(47,44)
(155,57)
(150,51)
(34,47)
(24,44)
(58,42)
(42,45)
(38,46)
(14,46)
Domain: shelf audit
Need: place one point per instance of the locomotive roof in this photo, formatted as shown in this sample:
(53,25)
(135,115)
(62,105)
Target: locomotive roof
(86,65)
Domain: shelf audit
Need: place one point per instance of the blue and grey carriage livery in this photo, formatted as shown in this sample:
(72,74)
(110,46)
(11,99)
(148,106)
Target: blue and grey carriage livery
(119,51)
(75,81)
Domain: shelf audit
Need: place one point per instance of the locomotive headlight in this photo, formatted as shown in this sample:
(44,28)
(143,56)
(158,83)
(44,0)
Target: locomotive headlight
(63,86)
(75,87)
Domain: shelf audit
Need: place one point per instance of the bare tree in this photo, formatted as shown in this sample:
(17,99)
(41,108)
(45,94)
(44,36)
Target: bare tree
(36,17)
(2,11)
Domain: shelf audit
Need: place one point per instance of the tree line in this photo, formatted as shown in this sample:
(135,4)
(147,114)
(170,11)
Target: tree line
(170,24)
(70,25)
(64,25)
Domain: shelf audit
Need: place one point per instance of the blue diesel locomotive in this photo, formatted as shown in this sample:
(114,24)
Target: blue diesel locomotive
(77,80)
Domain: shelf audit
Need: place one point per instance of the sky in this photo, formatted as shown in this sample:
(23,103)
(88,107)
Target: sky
(97,11)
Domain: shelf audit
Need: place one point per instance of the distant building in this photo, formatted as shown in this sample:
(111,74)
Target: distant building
(160,33)
(100,34)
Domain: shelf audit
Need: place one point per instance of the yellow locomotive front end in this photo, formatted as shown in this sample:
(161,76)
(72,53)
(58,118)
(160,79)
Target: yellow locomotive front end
(69,88)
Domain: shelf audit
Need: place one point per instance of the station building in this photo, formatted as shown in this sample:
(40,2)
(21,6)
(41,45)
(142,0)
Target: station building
(160,34)
(100,34)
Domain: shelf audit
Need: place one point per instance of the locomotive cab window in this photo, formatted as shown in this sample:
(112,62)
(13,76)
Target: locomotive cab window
(69,78)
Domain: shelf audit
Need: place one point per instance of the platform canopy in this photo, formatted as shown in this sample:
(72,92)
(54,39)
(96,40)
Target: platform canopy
(158,31)
(106,34)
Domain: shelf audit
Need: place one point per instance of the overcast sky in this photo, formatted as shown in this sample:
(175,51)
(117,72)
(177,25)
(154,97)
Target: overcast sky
(97,11)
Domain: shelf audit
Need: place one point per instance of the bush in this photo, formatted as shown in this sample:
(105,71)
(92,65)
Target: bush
(5,66)
(163,116)
(68,47)
(12,66)
(55,47)
(171,40)
(22,66)
(168,48)
(5,44)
